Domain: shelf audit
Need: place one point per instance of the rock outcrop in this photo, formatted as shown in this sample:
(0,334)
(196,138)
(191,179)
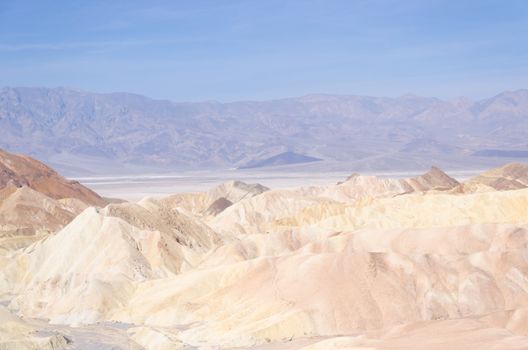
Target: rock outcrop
(19,170)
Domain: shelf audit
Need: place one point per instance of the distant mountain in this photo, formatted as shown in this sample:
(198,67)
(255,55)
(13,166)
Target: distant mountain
(284,158)
(80,132)
(501,153)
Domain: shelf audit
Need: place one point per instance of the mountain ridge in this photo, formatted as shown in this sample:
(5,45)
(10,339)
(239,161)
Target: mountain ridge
(117,132)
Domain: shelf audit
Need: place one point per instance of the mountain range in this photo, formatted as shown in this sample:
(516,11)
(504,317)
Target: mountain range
(123,132)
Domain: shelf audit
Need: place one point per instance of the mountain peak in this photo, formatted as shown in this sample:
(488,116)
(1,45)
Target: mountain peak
(436,178)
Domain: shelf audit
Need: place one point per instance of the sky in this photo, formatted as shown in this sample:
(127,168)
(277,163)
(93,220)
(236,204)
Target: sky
(253,50)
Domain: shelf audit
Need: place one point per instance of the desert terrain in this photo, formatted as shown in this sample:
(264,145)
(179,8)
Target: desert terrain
(353,261)
(263,175)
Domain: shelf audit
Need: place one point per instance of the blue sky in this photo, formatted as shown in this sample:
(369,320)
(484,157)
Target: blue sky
(237,50)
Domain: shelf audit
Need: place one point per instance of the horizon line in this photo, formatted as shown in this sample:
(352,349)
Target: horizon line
(313,94)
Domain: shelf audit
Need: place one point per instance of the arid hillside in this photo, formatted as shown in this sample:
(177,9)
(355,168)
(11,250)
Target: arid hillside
(424,262)
(19,171)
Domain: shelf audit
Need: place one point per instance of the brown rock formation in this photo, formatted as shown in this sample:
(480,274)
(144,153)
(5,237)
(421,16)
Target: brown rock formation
(20,170)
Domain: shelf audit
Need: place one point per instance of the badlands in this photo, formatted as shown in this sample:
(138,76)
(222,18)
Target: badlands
(367,263)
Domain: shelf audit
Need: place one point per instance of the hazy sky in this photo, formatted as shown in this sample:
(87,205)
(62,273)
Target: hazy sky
(233,50)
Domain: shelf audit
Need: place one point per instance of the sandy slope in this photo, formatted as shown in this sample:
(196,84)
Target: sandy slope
(98,258)
(458,334)
(341,285)
(24,211)
(414,210)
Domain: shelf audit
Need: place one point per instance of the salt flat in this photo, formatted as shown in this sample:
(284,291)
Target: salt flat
(136,187)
